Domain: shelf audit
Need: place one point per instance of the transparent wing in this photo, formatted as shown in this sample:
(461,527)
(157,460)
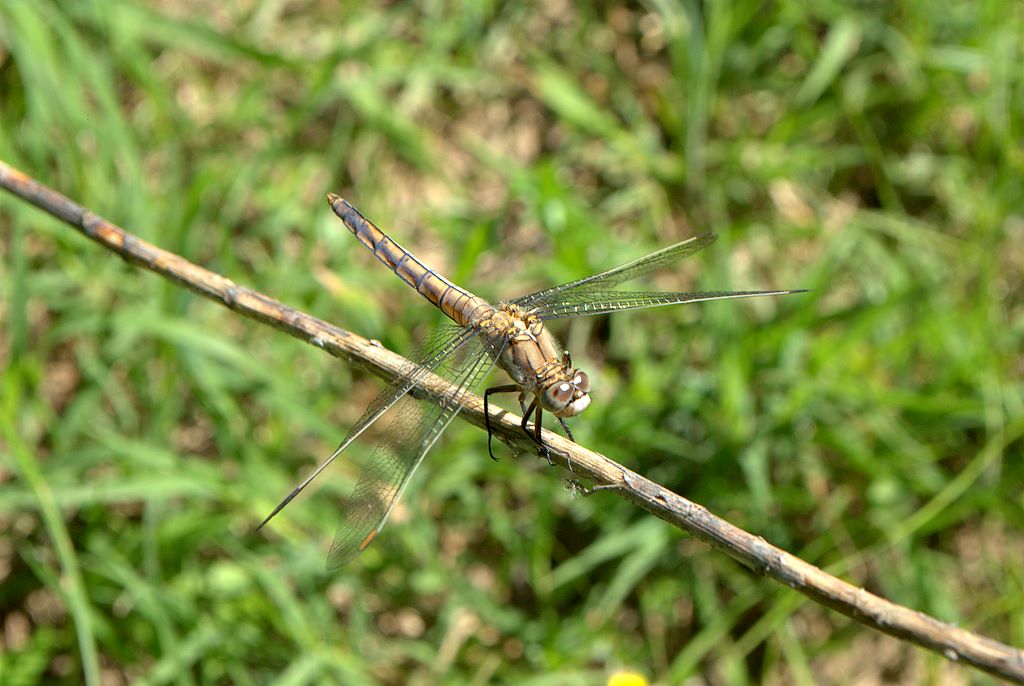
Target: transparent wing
(409,435)
(443,342)
(585,303)
(621,274)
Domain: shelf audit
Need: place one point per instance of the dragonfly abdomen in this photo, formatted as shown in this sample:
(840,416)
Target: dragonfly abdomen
(455,302)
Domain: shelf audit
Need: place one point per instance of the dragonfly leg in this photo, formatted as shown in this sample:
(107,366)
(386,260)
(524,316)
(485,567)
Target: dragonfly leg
(534,436)
(507,388)
(561,420)
(543,449)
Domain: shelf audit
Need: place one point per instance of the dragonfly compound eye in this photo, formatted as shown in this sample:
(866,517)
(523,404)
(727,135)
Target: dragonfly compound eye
(581,381)
(558,395)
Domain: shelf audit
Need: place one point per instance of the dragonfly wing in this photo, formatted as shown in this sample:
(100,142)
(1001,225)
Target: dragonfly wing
(442,344)
(586,303)
(409,435)
(621,274)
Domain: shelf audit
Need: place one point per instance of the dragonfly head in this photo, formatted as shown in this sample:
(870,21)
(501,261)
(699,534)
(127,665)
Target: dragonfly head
(568,396)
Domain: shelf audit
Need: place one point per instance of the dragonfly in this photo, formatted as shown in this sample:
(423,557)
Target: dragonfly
(511,335)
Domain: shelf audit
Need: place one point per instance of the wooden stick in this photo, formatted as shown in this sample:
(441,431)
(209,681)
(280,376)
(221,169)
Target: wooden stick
(752,551)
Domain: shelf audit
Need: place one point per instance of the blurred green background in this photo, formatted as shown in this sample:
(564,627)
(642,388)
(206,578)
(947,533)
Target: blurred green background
(870,151)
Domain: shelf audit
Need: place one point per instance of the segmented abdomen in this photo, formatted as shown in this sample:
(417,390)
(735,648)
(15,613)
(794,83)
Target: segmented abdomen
(455,302)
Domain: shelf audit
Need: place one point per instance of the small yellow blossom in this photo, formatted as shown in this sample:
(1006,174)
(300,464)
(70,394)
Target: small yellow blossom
(627,679)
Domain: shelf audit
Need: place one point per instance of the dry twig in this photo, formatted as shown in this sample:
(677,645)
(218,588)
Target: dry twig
(752,551)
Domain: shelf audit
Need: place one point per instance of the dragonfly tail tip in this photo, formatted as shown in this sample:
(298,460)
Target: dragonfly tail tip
(280,506)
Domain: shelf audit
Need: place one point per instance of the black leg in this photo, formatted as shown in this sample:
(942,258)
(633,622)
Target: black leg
(533,408)
(536,424)
(544,451)
(534,436)
(507,388)
(526,418)
(561,420)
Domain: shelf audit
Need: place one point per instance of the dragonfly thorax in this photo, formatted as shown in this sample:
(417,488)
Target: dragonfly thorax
(535,360)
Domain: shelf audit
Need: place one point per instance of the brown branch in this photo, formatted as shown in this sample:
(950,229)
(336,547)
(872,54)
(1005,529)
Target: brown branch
(752,551)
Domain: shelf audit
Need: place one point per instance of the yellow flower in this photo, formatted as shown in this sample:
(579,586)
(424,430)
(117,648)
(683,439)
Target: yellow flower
(627,679)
